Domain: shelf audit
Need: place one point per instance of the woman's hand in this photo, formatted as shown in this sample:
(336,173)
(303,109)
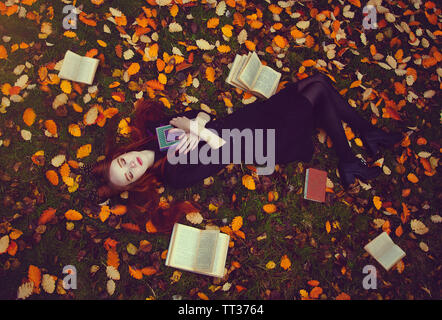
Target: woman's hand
(181,122)
(188,140)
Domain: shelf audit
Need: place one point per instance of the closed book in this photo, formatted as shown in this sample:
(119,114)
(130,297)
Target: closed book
(162,136)
(315,184)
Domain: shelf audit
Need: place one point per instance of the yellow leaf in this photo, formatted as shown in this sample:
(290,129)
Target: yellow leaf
(227,30)
(69,34)
(104,213)
(29,116)
(377,202)
(285,262)
(248,182)
(102,43)
(270,265)
(84,151)
(74,129)
(73,215)
(237,223)
(328,226)
(162,78)
(224,48)
(65,86)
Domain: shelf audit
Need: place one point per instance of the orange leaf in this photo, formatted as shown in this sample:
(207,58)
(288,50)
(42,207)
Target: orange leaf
(73,215)
(51,126)
(313,283)
(47,216)
(237,223)
(3,52)
(133,69)
(12,249)
(210,74)
(412,178)
(343,296)
(148,271)
(248,182)
(34,274)
(269,208)
(316,291)
(285,262)
(399,231)
(119,210)
(203,296)
(150,227)
(52,176)
(137,274)
(113,259)
(131,227)
(29,116)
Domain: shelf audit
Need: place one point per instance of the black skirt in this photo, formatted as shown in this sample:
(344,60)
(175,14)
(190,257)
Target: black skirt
(289,113)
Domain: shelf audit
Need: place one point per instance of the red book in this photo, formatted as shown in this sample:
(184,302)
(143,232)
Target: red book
(315,184)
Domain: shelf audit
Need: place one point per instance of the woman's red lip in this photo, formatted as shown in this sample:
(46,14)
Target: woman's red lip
(139,161)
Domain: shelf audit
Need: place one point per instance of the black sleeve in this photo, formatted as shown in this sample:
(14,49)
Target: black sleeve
(188,175)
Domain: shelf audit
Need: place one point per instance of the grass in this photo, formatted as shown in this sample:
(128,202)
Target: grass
(297,229)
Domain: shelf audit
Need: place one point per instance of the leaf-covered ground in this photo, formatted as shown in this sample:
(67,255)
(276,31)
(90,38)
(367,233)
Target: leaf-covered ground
(284,247)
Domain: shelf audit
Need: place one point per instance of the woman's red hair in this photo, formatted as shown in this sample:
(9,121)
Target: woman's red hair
(143,201)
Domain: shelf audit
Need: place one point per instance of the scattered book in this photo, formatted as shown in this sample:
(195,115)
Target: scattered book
(165,140)
(249,74)
(385,251)
(199,251)
(315,184)
(78,68)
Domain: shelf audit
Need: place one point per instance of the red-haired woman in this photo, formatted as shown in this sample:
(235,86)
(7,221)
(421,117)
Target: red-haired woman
(294,112)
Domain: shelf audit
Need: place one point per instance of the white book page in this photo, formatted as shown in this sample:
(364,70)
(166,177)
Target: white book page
(267,81)
(70,66)
(234,79)
(205,254)
(379,245)
(233,68)
(184,247)
(86,71)
(221,255)
(391,257)
(251,70)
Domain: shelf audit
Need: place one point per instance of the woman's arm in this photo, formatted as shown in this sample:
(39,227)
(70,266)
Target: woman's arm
(197,127)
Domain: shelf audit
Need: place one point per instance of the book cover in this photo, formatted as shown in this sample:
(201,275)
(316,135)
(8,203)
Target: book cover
(315,184)
(162,136)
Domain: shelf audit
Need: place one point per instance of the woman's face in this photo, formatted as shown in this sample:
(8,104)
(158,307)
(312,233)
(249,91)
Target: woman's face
(127,168)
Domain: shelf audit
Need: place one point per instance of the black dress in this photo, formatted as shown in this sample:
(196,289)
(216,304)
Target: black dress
(289,113)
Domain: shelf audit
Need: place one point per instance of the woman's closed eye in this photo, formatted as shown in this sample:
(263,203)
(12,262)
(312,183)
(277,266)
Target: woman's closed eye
(123,162)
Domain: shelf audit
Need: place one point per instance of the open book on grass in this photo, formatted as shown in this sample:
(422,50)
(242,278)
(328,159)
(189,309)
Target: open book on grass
(249,74)
(385,251)
(199,251)
(78,68)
